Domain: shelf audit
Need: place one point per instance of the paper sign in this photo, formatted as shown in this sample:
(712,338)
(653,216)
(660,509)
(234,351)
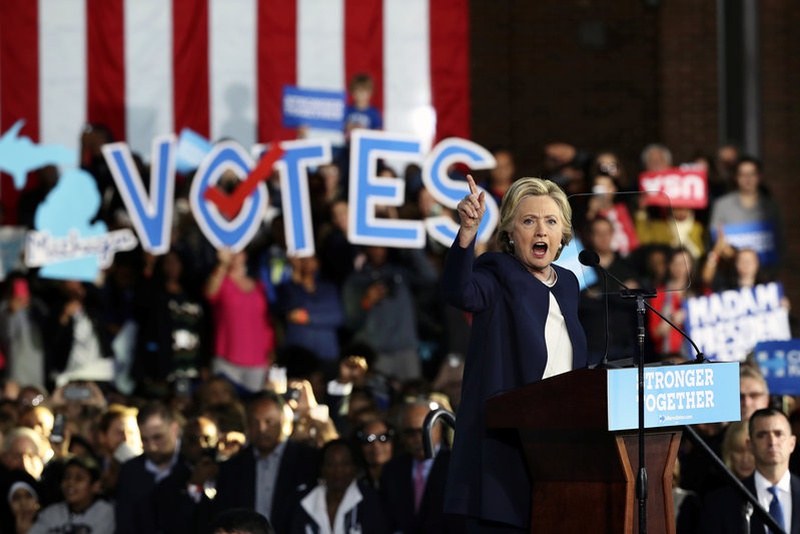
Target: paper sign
(19,155)
(779,362)
(759,236)
(313,108)
(192,150)
(684,187)
(728,325)
(67,245)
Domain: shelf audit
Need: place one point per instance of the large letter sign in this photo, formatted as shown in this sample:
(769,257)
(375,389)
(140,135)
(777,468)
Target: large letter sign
(449,192)
(222,233)
(368,190)
(293,168)
(151,217)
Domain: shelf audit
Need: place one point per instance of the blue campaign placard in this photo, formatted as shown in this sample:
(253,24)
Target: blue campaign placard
(756,235)
(313,108)
(674,395)
(779,362)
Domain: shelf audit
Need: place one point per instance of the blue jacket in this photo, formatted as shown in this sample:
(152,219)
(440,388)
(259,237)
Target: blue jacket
(488,478)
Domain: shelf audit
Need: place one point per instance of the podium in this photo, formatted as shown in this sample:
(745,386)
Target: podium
(583,474)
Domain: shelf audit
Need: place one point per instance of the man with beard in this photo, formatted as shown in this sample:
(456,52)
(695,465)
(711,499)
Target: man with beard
(139,476)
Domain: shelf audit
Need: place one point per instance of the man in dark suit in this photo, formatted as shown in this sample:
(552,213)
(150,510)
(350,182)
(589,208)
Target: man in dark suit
(412,487)
(778,490)
(271,473)
(139,476)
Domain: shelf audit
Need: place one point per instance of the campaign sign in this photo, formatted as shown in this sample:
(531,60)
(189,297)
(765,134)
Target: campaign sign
(569,260)
(780,364)
(313,108)
(756,235)
(727,325)
(684,187)
(674,395)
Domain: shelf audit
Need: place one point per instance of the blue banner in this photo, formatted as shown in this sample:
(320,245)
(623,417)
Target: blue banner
(313,108)
(674,395)
(780,364)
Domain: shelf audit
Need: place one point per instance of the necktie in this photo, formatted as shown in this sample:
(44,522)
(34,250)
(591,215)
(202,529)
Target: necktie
(419,484)
(775,508)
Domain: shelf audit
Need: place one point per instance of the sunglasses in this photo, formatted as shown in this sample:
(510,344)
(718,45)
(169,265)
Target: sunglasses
(372,438)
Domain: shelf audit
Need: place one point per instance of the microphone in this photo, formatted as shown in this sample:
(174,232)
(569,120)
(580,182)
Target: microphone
(590,258)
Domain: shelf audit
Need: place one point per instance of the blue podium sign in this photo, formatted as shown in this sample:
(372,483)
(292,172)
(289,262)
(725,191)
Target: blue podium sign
(674,395)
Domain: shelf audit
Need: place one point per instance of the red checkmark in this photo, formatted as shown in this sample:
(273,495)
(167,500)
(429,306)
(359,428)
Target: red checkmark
(229,205)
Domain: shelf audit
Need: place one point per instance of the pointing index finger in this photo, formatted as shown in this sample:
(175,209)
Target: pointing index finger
(472,187)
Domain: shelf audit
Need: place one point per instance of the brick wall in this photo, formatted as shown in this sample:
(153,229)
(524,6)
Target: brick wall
(618,74)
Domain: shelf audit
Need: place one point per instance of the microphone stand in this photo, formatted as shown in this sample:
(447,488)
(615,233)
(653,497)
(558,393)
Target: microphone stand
(591,259)
(641,477)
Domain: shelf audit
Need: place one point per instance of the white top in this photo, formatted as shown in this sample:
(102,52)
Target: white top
(559,345)
(316,507)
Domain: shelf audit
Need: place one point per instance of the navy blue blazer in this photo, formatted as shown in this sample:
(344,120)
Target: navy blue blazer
(136,488)
(488,478)
(297,473)
(722,511)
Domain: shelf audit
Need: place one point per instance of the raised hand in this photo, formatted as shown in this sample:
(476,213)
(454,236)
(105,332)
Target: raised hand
(470,210)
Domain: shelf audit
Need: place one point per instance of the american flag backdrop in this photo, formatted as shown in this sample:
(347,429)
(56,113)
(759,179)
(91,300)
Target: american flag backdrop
(148,67)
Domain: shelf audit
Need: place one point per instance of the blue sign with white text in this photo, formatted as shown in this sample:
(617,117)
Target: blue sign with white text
(313,108)
(759,236)
(779,362)
(674,395)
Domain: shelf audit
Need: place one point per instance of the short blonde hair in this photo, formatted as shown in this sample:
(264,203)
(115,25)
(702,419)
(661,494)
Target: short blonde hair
(734,431)
(520,190)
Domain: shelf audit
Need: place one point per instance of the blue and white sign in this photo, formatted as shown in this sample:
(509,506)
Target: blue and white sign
(313,108)
(779,362)
(759,236)
(674,396)
(728,325)
(192,150)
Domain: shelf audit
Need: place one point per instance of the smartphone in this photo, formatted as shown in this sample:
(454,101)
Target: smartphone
(57,434)
(77,392)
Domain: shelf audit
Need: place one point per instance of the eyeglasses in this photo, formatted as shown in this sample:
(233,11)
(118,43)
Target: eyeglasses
(372,438)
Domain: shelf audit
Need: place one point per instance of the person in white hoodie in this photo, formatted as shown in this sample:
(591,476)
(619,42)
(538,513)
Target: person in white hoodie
(339,504)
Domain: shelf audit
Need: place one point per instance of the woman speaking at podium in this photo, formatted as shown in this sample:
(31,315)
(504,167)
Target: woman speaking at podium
(524,328)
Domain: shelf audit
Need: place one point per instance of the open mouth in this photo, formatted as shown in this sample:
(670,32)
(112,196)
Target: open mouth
(539,249)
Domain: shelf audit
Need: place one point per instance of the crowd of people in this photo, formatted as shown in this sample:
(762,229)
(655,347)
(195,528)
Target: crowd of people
(297,387)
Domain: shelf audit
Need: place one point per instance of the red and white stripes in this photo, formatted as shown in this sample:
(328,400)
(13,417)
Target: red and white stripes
(147,67)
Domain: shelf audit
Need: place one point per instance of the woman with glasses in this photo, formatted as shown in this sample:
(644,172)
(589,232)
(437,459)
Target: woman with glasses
(375,441)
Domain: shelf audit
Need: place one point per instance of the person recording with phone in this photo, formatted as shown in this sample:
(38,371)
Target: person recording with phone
(525,328)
